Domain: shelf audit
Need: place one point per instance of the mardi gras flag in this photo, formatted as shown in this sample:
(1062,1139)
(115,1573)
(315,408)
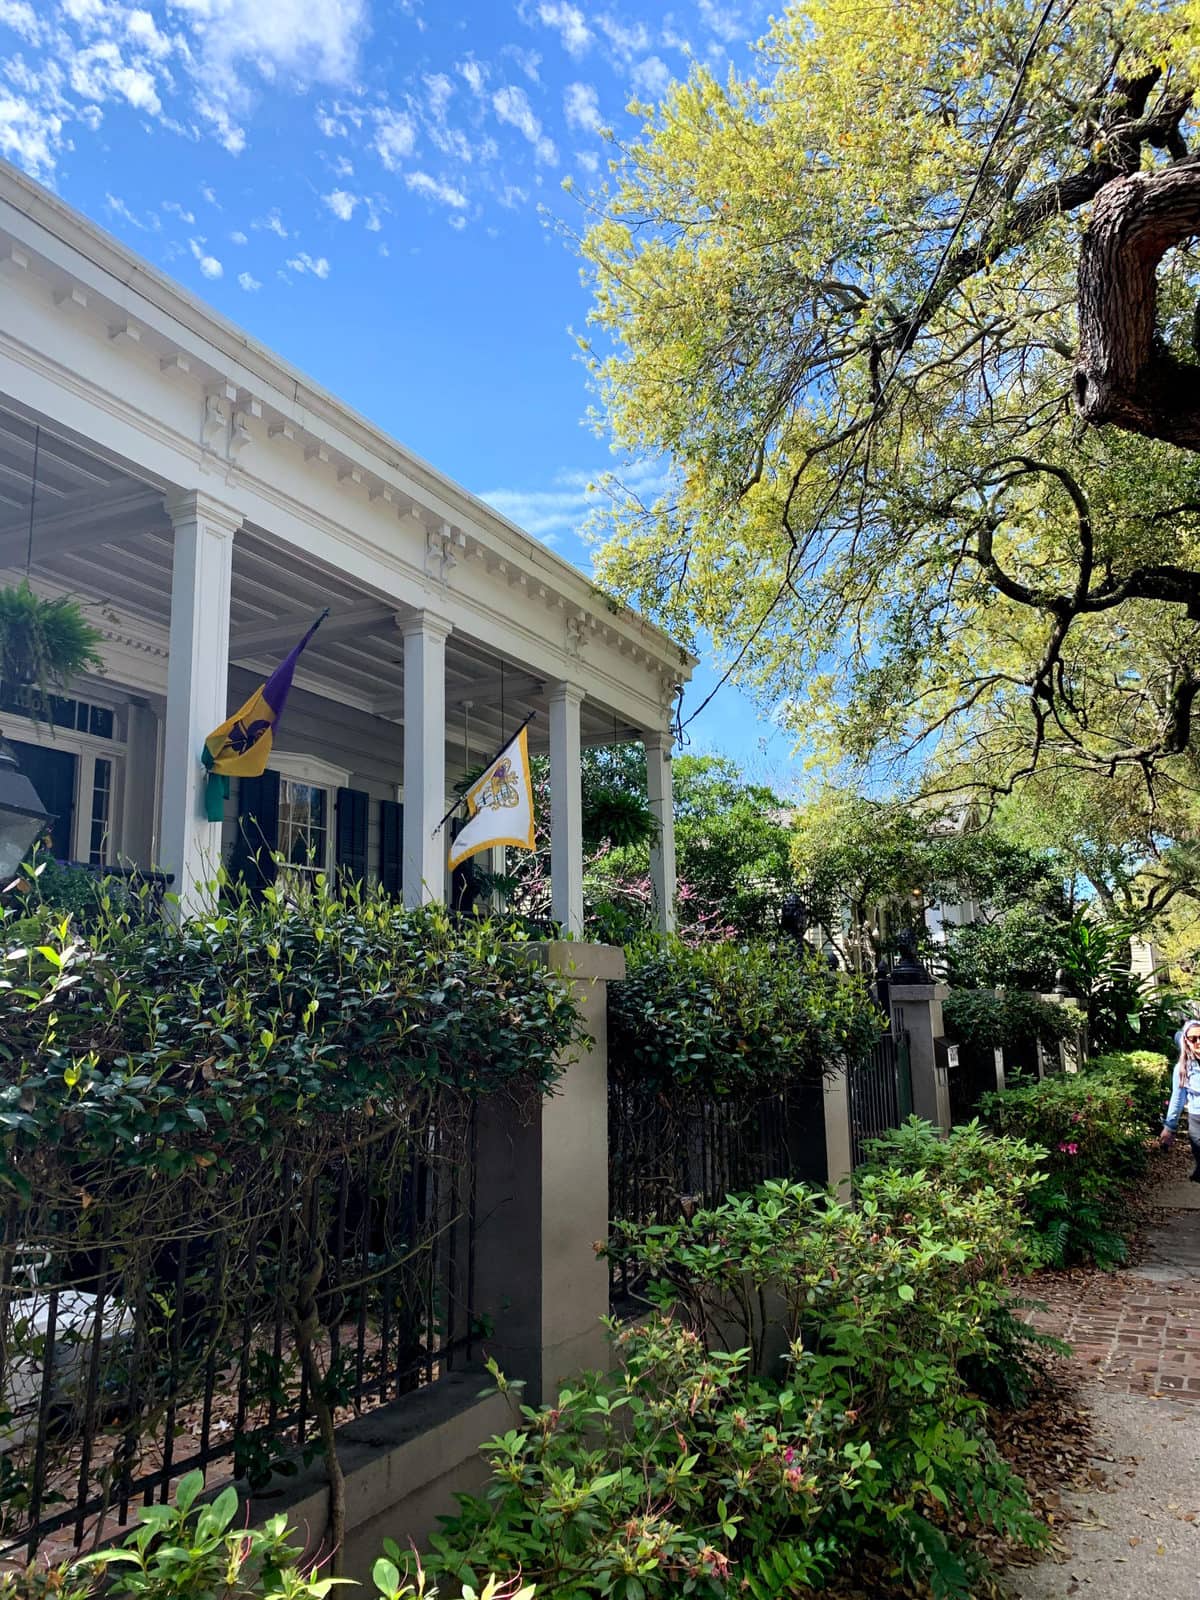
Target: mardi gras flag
(499,804)
(241,746)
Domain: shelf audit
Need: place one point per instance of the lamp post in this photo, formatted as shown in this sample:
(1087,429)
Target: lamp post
(22,815)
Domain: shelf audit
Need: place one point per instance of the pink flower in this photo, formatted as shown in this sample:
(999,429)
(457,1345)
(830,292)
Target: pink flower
(1069,1149)
(1077,1116)
(789,1455)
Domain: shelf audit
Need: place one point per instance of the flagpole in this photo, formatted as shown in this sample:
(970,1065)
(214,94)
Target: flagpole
(462,798)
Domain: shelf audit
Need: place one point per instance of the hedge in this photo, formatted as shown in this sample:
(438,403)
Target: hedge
(730,1018)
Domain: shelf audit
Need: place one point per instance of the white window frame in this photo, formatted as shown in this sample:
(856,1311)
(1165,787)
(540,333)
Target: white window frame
(85,747)
(317,774)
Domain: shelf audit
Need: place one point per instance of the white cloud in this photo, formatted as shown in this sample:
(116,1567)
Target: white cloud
(651,77)
(101,73)
(570,24)
(341,203)
(119,209)
(239,237)
(395,136)
(472,74)
(458,222)
(434,189)
(588,160)
(272,223)
(373,222)
(343,168)
(248,282)
(528,60)
(627,39)
(511,105)
(439,89)
(209,265)
(581,104)
(33,116)
(210,194)
(179,211)
(305,263)
(545,513)
(723,21)
(22,19)
(511,196)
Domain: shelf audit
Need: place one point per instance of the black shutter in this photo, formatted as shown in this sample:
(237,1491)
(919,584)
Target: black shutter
(391,847)
(253,858)
(351,842)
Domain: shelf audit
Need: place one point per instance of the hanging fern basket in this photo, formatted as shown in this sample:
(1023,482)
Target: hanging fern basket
(44,646)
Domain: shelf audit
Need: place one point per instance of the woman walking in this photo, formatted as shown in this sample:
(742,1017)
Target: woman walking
(1186,1092)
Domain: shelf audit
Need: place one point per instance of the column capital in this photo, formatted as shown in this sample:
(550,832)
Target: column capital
(425,625)
(661,740)
(195,505)
(562,690)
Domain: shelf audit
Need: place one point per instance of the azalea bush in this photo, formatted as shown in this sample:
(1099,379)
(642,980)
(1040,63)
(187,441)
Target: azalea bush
(798,1401)
(732,1018)
(1144,1075)
(1096,1152)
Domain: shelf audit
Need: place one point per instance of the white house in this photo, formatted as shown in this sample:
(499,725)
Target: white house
(205,501)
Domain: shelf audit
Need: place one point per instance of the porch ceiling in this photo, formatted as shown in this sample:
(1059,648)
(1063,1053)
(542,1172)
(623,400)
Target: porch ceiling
(103,536)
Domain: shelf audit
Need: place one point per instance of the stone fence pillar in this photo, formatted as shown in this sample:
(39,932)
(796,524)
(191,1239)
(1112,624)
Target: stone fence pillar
(917,1011)
(541,1201)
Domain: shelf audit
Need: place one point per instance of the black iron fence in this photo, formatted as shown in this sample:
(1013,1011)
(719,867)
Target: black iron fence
(670,1151)
(880,1092)
(278,1302)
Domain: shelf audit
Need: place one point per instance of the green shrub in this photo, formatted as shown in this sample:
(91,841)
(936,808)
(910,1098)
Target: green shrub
(967,1159)
(858,1319)
(1144,1075)
(1096,1152)
(730,1017)
(1007,1021)
(147,1041)
(195,1551)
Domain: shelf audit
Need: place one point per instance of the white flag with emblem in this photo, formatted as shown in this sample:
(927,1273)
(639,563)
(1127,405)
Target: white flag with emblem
(499,805)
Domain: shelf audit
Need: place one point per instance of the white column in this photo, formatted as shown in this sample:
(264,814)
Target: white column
(425,758)
(197,689)
(662,849)
(566,809)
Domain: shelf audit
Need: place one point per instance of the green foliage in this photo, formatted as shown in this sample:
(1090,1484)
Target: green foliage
(1097,965)
(968,1159)
(730,1017)
(981,1017)
(1088,1124)
(874,1309)
(817,282)
(1023,947)
(676,1475)
(196,1550)
(44,645)
(168,1047)
(732,847)
(1143,1075)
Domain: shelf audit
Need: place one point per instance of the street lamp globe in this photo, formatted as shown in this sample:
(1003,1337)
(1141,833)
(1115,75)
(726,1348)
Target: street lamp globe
(22,815)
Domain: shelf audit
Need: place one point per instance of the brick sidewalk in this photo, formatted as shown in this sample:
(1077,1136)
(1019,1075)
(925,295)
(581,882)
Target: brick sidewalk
(1137,1330)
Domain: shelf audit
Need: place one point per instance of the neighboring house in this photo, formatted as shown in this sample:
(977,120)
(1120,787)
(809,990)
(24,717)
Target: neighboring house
(204,501)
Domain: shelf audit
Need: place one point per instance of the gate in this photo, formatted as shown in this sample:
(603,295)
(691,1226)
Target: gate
(880,1092)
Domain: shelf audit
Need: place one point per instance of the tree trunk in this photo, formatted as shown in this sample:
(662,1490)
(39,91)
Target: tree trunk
(1125,375)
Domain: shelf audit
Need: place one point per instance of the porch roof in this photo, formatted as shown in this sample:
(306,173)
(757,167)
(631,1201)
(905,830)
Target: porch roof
(142,390)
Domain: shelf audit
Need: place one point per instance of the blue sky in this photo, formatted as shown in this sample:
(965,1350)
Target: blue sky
(370,187)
